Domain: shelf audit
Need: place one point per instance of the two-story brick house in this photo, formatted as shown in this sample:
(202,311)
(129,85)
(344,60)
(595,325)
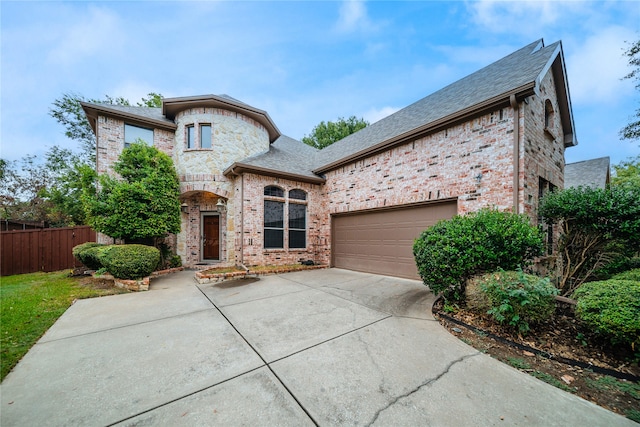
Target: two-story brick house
(253,196)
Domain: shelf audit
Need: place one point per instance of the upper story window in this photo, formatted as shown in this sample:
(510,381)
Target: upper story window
(133,133)
(285,217)
(198,136)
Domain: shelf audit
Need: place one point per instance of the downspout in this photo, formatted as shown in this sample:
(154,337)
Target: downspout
(241,219)
(516,153)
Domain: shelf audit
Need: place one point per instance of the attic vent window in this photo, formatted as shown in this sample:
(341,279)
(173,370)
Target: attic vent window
(548,115)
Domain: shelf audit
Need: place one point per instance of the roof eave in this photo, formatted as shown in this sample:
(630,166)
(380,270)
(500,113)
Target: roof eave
(240,168)
(94,110)
(520,93)
(557,66)
(171,106)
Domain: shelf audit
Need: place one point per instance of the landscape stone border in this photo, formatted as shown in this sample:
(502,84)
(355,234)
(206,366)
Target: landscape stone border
(202,277)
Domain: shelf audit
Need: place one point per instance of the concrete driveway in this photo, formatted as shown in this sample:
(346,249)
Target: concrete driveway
(323,347)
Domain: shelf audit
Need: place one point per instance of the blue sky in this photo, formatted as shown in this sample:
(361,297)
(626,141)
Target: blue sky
(304,62)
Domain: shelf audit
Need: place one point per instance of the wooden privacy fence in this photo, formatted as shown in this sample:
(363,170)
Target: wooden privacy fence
(45,249)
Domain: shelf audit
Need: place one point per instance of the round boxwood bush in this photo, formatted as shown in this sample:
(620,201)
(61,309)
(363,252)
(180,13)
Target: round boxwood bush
(130,261)
(88,254)
(450,252)
(628,275)
(513,298)
(611,308)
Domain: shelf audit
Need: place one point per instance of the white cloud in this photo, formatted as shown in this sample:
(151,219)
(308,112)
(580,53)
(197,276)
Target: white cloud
(353,17)
(529,18)
(90,35)
(375,114)
(595,68)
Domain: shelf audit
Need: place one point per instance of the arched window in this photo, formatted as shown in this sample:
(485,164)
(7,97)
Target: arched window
(275,220)
(273,191)
(298,195)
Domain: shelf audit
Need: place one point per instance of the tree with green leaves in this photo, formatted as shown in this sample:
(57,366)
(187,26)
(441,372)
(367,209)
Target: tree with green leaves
(595,225)
(632,130)
(627,172)
(143,202)
(327,133)
(49,189)
(68,112)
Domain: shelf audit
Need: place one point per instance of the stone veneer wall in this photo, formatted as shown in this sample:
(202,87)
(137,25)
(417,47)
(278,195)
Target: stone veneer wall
(250,235)
(188,240)
(234,137)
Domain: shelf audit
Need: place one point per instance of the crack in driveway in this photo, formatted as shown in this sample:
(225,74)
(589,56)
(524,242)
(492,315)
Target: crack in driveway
(424,384)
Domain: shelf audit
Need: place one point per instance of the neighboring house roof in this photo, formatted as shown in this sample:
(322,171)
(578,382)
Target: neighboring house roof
(594,173)
(286,158)
(517,74)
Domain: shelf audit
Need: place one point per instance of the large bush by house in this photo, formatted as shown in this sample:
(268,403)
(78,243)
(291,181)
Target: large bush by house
(88,254)
(598,228)
(611,308)
(130,261)
(142,202)
(513,298)
(452,251)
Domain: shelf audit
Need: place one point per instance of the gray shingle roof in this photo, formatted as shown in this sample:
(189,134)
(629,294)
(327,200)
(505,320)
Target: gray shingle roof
(501,77)
(592,173)
(145,112)
(496,80)
(286,155)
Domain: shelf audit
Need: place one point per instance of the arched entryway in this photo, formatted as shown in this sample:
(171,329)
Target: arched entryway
(202,239)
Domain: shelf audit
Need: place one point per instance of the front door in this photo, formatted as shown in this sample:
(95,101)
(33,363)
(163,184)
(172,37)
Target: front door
(211,237)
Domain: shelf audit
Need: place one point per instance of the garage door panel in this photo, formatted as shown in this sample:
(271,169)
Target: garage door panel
(381,242)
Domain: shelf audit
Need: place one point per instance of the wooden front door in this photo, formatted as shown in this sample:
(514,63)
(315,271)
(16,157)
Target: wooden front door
(211,237)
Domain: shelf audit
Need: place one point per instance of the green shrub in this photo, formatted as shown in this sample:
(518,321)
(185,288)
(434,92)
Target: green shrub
(87,254)
(175,261)
(628,275)
(451,251)
(130,261)
(517,299)
(611,308)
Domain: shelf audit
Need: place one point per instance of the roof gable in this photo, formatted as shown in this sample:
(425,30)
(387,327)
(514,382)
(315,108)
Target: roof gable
(517,74)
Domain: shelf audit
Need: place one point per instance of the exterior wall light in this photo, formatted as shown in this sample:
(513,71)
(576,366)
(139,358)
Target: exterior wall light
(184,208)
(221,205)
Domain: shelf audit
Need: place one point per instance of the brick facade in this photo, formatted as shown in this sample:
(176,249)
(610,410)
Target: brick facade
(251,236)
(471,161)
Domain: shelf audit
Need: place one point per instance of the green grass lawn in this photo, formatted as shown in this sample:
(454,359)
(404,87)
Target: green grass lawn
(31,303)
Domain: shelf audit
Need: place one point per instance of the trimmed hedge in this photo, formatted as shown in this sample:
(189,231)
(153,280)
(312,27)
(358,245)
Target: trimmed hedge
(450,252)
(611,308)
(628,275)
(88,254)
(130,261)
(514,298)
